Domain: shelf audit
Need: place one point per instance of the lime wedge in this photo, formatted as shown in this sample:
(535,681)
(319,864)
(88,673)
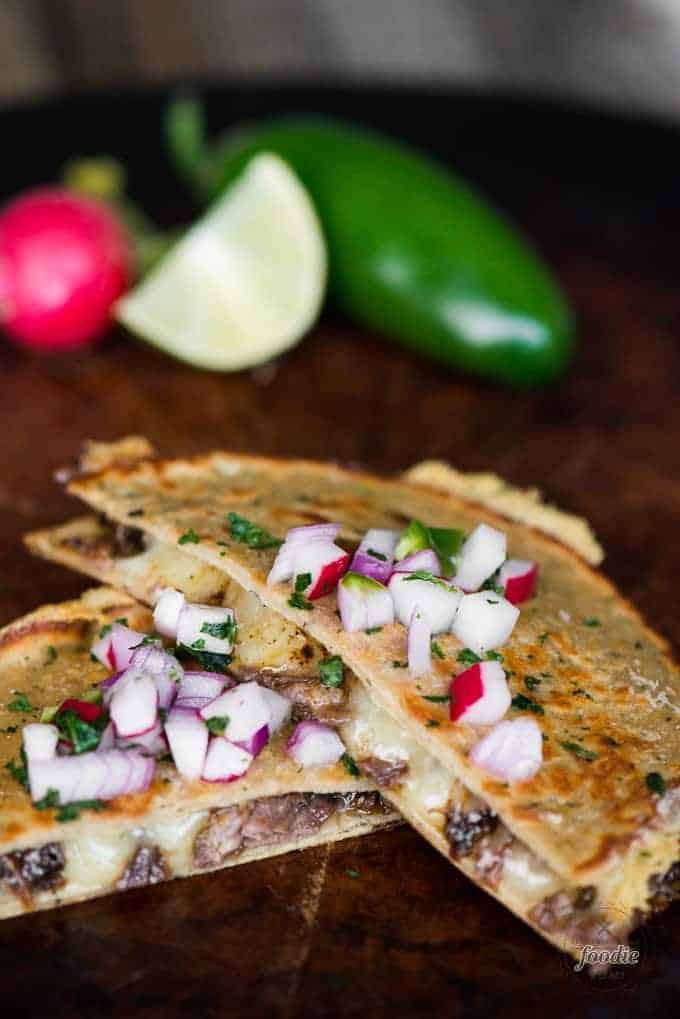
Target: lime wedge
(244,283)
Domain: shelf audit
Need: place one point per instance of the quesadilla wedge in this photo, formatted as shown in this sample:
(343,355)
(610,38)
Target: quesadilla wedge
(579,850)
(53,855)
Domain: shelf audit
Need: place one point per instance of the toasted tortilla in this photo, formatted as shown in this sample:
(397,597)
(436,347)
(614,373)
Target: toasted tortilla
(174,829)
(427,793)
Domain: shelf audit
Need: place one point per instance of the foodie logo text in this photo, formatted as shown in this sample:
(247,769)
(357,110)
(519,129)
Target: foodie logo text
(619,955)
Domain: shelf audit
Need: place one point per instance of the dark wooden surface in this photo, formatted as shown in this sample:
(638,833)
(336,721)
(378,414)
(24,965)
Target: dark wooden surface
(295,936)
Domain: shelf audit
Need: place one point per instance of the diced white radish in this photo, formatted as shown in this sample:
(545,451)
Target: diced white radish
(324,562)
(419,636)
(512,751)
(225,761)
(363,603)
(194,625)
(124,641)
(280,708)
(314,744)
(283,566)
(188,739)
(484,621)
(375,554)
(246,708)
(481,555)
(518,579)
(437,600)
(426,560)
(40,741)
(480,695)
(166,611)
(134,704)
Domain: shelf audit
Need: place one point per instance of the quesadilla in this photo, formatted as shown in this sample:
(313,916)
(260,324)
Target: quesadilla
(54,853)
(581,849)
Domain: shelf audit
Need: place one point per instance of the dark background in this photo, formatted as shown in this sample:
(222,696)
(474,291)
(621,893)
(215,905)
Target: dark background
(294,936)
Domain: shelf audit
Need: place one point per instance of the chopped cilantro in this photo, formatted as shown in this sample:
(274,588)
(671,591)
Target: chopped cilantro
(302,582)
(373,629)
(431,723)
(434,699)
(298,601)
(467,657)
(218,724)
(49,800)
(437,650)
(51,654)
(222,631)
(332,671)
(20,703)
(351,872)
(492,585)
(493,656)
(84,736)
(543,637)
(71,811)
(146,642)
(19,772)
(350,765)
(578,750)
(199,644)
(591,621)
(106,629)
(250,534)
(656,782)
(376,555)
(531,682)
(523,703)
(163,715)
(189,538)
(210,662)
(396,664)
(639,645)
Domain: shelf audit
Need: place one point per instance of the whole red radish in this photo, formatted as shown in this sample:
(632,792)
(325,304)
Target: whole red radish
(64,261)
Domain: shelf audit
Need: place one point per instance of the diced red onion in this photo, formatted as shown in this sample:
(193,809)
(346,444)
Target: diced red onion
(193,618)
(280,708)
(484,621)
(151,742)
(225,761)
(196,683)
(426,559)
(314,744)
(363,603)
(188,739)
(255,743)
(283,565)
(40,741)
(518,578)
(163,667)
(512,751)
(375,540)
(481,555)
(108,684)
(419,636)
(101,650)
(246,708)
(134,704)
(123,644)
(166,612)
(193,703)
(312,532)
(90,776)
(108,739)
(480,695)
(438,602)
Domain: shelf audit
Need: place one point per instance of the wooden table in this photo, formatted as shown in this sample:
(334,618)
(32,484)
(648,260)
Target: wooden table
(295,936)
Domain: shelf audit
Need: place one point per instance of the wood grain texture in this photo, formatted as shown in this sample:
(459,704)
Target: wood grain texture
(296,936)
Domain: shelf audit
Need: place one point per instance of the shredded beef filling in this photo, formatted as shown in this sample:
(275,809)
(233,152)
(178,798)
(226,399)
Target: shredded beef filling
(571,915)
(274,819)
(385,774)
(664,888)
(147,867)
(33,870)
(464,827)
